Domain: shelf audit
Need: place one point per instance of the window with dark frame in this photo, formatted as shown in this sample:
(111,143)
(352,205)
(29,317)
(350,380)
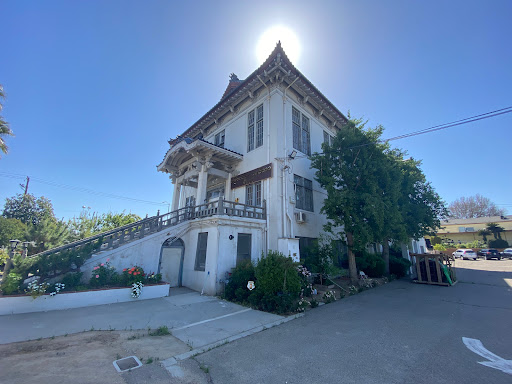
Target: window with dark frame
(301,132)
(219,138)
(202,242)
(255,128)
(303,193)
(328,138)
(253,194)
(243,248)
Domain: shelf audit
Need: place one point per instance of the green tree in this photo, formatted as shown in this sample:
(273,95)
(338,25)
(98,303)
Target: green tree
(4,126)
(11,229)
(374,193)
(28,208)
(112,220)
(48,233)
(349,170)
(89,224)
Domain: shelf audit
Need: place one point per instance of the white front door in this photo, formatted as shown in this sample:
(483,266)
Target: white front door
(170,267)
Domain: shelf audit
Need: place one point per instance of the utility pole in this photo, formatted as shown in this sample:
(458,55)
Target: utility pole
(26,186)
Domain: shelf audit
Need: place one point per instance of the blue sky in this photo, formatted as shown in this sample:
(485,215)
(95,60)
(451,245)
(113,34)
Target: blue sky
(96,88)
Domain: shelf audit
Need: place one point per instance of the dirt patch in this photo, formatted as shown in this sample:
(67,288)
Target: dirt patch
(82,358)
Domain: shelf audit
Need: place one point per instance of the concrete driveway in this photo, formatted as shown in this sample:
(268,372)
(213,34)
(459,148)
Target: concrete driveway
(397,333)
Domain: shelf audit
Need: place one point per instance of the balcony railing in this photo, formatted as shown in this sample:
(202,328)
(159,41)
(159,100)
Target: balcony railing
(138,230)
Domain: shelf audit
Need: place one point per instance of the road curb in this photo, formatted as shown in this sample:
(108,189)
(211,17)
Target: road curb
(197,351)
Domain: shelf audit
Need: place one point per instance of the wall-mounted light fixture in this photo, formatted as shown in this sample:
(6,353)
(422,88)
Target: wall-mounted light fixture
(292,154)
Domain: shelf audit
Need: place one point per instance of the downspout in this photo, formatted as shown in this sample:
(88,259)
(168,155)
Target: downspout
(267,240)
(285,197)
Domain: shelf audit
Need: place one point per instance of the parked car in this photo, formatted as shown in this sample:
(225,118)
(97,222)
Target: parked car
(489,253)
(464,254)
(507,253)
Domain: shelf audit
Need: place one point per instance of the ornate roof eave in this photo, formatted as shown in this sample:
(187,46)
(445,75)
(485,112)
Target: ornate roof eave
(195,147)
(276,61)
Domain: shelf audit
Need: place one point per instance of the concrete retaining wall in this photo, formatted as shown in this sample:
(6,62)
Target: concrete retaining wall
(66,300)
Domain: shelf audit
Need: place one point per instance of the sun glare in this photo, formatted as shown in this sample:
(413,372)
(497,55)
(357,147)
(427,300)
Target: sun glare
(269,39)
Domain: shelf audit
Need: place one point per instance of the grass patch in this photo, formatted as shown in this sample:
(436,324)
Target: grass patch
(160,331)
(205,368)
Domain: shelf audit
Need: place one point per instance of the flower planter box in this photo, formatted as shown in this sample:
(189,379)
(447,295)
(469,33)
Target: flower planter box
(65,300)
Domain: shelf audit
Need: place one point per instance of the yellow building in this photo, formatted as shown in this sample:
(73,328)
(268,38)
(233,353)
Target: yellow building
(466,230)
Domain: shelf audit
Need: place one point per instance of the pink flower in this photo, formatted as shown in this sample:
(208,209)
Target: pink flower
(102,264)
(97,276)
(108,260)
(95,268)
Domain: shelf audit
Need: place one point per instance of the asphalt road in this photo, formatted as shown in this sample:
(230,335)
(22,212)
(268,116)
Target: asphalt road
(398,333)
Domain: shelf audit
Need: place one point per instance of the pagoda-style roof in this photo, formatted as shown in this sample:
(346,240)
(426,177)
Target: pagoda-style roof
(276,69)
(186,149)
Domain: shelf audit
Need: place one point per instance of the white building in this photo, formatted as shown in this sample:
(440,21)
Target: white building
(242,179)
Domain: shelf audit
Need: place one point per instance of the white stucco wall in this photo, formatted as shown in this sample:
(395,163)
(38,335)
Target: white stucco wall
(277,144)
(220,252)
(144,252)
(66,300)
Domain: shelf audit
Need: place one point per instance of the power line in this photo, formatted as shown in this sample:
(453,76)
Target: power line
(78,189)
(435,128)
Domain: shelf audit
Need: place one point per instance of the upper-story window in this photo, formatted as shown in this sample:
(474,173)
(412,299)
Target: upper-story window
(303,193)
(255,128)
(301,132)
(219,139)
(253,194)
(327,138)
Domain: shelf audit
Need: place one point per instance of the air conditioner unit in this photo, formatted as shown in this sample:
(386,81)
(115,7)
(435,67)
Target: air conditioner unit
(300,217)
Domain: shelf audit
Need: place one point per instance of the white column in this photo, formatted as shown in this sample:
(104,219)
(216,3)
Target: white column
(227,188)
(201,185)
(176,196)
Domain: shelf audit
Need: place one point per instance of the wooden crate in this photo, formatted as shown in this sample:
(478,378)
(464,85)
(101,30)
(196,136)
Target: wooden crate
(435,277)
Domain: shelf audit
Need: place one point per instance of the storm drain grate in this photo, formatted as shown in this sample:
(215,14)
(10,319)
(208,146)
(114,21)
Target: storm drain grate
(127,363)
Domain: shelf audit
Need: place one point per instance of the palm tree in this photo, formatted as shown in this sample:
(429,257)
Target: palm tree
(4,126)
(495,229)
(484,233)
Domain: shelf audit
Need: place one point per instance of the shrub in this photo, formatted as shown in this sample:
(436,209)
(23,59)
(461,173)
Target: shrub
(153,278)
(498,243)
(236,289)
(398,266)
(370,263)
(12,283)
(277,273)
(72,280)
(103,275)
(440,247)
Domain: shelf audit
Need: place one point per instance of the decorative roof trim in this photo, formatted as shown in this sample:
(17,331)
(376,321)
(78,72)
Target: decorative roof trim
(276,61)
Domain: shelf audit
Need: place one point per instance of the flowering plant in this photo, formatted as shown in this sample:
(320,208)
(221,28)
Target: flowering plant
(35,290)
(133,275)
(103,274)
(302,305)
(137,289)
(57,288)
(329,297)
(303,271)
(153,278)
